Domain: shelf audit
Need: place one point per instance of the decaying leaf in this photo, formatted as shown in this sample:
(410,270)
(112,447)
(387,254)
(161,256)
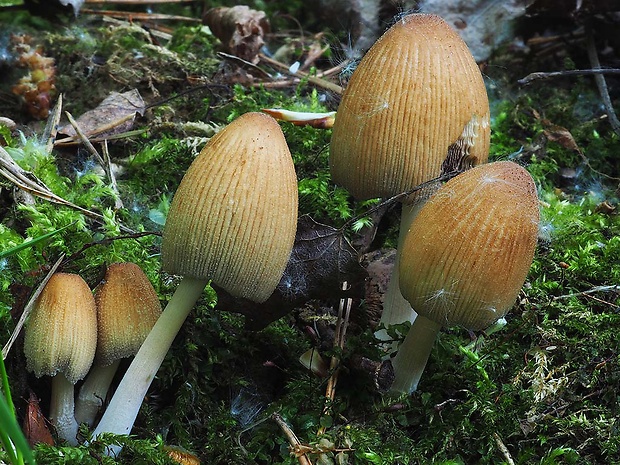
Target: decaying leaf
(321,260)
(115,114)
(240,29)
(561,135)
(35,424)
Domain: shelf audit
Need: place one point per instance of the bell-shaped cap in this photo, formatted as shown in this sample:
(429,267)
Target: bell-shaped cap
(234,216)
(417,95)
(468,251)
(61,332)
(127,309)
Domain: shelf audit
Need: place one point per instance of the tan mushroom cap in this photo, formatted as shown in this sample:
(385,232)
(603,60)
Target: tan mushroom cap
(469,250)
(61,333)
(234,216)
(415,93)
(127,309)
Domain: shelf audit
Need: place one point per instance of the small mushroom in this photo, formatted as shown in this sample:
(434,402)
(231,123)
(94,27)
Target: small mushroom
(416,107)
(127,309)
(233,221)
(60,341)
(465,258)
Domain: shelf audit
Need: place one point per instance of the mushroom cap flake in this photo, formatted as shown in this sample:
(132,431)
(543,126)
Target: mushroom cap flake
(234,216)
(61,334)
(127,309)
(469,250)
(416,92)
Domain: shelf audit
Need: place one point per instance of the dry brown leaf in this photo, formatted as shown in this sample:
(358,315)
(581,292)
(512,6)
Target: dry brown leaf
(240,29)
(561,135)
(35,424)
(115,108)
(321,260)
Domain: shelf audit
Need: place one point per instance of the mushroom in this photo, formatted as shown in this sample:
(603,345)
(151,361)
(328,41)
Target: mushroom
(60,341)
(127,309)
(416,107)
(233,221)
(465,258)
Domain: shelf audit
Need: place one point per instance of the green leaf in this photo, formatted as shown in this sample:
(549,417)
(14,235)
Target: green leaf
(29,243)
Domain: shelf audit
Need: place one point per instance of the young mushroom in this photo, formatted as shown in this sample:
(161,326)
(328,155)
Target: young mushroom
(60,341)
(465,258)
(127,309)
(416,107)
(233,221)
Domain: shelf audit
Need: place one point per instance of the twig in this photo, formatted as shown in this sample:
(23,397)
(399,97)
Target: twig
(139,2)
(615,287)
(300,74)
(503,449)
(401,196)
(571,72)
(600,82)
(51,128)
(295,443)
(99,130)
(29,183)
(139,16)
(90,147)
(28,307)
(118,202)
(344,311)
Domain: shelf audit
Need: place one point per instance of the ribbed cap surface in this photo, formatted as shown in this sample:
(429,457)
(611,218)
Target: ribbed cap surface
(61,333)
(127,309)
(410,98)
(234,216)
(469,249)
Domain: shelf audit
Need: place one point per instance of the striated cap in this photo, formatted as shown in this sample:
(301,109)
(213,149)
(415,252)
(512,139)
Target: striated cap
(234,216)
(468,251)
(61,333)
(416,99)
(127,309)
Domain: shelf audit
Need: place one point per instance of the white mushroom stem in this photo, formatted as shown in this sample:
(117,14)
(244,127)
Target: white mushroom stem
(123,409)
(413,354)
(93,392)
(396,309)
(62,409)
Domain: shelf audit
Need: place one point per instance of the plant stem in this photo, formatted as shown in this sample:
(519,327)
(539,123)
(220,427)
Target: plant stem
(123,409)
(93,392)
(413,354)
(62,407)
(396,309)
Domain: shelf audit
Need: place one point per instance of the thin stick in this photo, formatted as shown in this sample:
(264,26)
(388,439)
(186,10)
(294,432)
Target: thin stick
(138,16)
(27,182)
(601,83)
(615,287)
(99,130)
(90,147)
(300,74)
(541,75)
(51,128)
(138,2)
(293,440)
(344,311)
(118,202)
(503,449)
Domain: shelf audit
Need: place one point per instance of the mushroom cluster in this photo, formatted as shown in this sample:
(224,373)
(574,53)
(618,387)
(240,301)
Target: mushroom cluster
(69,329)
(416,107)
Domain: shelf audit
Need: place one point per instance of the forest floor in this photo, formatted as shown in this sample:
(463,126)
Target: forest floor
(543,389)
